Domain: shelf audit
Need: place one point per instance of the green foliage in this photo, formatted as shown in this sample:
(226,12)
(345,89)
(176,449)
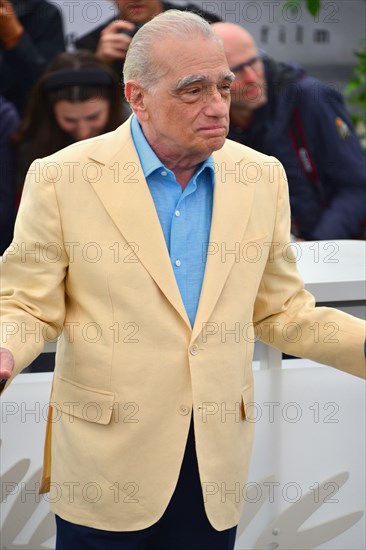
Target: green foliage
(313,6)
(355,92)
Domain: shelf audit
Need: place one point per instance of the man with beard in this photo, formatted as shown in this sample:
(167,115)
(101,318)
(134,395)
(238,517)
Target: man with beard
(278,110)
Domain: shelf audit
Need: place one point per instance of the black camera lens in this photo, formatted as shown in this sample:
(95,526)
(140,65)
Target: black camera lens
(131,32)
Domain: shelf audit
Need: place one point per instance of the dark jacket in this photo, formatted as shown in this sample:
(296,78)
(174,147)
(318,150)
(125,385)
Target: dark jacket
(9,121)
(90,40)
(336,208)
(42,40)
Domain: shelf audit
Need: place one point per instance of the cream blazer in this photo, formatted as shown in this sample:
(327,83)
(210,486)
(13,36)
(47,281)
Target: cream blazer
(89,265)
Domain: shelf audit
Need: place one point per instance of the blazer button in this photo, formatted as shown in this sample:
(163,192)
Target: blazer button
(184,410)
(194,350)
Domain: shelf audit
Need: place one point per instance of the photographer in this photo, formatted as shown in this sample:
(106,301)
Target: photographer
(111,40)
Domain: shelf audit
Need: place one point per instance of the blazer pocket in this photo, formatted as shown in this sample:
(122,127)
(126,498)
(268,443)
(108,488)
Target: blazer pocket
(247,403)
(84,402)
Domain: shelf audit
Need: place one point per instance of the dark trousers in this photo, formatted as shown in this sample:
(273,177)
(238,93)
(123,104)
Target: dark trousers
(183,526)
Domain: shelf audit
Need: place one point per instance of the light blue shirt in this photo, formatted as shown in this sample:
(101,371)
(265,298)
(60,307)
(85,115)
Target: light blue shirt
(185,217)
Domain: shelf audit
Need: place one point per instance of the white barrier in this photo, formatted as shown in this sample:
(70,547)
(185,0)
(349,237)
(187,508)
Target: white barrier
(308,462)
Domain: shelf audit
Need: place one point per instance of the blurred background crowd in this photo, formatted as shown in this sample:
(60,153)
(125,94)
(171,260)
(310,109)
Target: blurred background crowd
(56,89)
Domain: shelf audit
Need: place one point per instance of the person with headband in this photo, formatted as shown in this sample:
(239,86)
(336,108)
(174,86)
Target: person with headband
(78,97)
(137,279)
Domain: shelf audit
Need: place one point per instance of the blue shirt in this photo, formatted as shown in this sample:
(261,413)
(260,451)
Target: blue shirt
(185,217)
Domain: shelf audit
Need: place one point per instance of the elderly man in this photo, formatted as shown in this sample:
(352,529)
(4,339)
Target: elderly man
(124,249)
(278,110)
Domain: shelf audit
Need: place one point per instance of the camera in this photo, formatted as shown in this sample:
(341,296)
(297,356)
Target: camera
(132,32)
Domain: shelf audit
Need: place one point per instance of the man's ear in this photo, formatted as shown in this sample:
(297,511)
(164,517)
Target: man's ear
(135,96)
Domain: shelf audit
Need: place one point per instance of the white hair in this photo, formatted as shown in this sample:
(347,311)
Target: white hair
(140,64)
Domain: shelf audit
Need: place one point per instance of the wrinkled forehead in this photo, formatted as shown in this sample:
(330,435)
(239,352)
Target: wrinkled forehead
(183,60)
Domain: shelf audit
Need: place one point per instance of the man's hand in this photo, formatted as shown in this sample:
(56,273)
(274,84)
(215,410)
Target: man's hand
(113,44)
(11,28)
(6,363)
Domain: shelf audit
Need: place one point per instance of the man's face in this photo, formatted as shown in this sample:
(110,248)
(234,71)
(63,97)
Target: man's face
(249,88)
(138,11)
(187,117)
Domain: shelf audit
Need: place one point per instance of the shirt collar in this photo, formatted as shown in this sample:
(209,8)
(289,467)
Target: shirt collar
(149,160)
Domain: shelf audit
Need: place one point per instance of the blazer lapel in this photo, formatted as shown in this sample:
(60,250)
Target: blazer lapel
(233,197)
(126,197)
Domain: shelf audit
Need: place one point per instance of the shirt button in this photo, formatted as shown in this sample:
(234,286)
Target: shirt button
(163,173)
(177,213)
(184,410)
(178,263)
(194,350)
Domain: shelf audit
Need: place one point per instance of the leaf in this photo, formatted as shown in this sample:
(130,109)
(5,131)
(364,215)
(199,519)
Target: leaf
(351,87)
(313,6)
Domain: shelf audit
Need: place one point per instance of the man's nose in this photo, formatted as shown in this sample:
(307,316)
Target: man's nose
(217,104)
